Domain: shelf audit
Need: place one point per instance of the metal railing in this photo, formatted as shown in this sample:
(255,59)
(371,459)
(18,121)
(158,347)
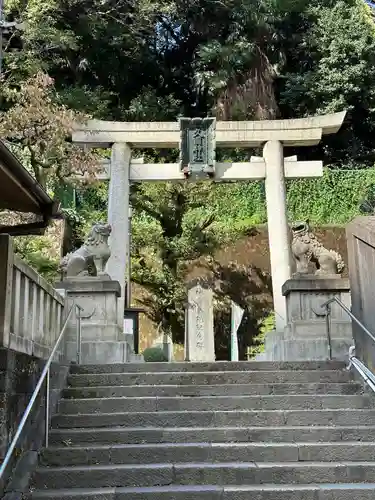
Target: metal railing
(363,371)
(45,376)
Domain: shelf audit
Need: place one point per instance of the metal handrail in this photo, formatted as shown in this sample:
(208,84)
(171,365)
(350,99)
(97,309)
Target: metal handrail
(361,368)
(349,312)
(44,376)
(364,372)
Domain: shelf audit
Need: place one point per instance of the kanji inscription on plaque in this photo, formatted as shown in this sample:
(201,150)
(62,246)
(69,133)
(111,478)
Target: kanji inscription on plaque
(197,146)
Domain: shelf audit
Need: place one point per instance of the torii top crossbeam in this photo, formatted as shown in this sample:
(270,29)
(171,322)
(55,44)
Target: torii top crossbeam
(295,132)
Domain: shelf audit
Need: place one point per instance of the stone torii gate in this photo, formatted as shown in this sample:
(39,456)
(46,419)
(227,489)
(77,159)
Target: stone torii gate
(273,135)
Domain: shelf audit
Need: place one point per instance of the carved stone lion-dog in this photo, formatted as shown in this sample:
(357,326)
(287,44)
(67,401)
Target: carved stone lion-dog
(91,258)
(306,248)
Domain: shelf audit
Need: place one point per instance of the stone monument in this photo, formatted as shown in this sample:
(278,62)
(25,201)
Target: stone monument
(86,283)
(305,336)
(199,331)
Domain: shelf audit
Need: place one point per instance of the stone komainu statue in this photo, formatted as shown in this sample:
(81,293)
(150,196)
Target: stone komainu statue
(91,258)
(306,248)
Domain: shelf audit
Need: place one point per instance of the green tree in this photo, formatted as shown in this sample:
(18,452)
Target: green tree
(170,231)
(331,67)
(97,52)
(251,289)
(36,251)
(239,59)
(175,234)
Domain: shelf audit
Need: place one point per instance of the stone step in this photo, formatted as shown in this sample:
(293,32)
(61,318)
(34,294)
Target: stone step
(208,367)
(207,452)
(348,491)
(102,476)
(210,378)
(211,390)
(207,403)
(137,435)
(242,418)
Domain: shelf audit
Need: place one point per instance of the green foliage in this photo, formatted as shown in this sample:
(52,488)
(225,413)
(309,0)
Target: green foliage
(331,67)
(74,230)
(257,347)
(154,355)
(172,227)
(166,231)
(250,288)
(333,199)
(92,204)
(36,251)
(239,205)
(148,105)
(249,59)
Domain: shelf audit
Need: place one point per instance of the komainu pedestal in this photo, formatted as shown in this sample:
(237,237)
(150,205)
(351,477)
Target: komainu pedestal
(103,341)
(305,337)
(88,285)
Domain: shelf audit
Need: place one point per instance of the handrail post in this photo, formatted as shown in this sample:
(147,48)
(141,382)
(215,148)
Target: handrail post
(328,323)
(47,407)
(79,334)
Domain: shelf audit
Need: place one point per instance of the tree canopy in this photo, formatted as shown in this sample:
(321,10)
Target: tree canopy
(254,59)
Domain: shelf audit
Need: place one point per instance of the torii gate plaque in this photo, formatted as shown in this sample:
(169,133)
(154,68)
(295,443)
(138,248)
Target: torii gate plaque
(197,147)
(272,135)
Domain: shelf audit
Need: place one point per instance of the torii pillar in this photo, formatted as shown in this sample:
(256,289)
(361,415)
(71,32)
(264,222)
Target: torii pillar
(277,220)
(272,135)
(278,230)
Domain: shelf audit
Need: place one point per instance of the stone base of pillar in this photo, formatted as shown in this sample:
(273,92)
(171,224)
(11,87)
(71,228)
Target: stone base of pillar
(305,335)
(102,339)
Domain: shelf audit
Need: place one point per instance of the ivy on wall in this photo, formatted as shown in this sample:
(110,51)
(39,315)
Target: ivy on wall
(334,198)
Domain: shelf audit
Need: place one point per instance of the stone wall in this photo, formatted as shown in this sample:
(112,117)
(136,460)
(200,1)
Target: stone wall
(19,374)
(253,250)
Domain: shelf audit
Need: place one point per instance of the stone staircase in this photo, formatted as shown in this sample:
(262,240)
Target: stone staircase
(220,431)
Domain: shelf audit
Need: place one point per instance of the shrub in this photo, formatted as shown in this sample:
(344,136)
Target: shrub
(154,354)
